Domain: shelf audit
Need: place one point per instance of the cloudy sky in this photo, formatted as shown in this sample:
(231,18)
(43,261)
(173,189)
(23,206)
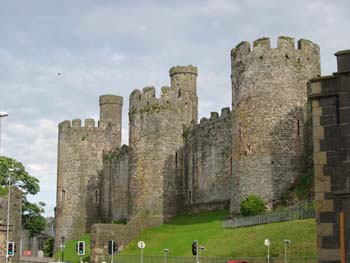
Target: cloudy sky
(113,47)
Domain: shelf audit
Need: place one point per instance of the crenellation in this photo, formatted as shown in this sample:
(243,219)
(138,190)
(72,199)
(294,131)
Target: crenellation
(285,49)
(89,123)
(261,44)
(225,112)
(76,123)
(64,124)
(285,42)
(166,93)
(308,46)
(214,116)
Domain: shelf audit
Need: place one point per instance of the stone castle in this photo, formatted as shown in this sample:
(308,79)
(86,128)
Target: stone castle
(174,163)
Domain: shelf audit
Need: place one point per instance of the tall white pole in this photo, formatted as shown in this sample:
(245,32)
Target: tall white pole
(285,252)
(8,215)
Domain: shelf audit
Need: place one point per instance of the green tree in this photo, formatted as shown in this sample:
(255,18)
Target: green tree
(252,205)
(12,170)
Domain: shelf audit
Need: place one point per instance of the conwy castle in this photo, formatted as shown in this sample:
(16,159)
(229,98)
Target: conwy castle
(175,163)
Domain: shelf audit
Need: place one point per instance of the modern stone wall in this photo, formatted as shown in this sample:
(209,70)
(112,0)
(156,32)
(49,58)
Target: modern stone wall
(269,101)
(15,224)
(207,161)
(330,98)
(156,128)
(80,158)
(115,185)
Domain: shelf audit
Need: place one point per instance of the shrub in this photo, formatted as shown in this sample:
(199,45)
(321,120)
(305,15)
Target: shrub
(252,205)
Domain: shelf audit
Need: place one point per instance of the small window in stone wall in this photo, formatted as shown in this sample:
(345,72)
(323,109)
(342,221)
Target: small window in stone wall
(175,160)
(298,128)
(240,131)
(63,195)
(96,196)
(179,95)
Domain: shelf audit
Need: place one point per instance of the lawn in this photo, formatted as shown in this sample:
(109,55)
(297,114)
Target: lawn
(179,234)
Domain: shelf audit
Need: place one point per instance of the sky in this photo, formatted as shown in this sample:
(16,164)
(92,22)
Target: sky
(58,57)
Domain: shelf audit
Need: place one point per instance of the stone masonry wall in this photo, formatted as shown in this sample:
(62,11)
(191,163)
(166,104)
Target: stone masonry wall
(80,158)
(330,96)
(156,133)
(15,224)
(115,185)
(269,103)
(208,149)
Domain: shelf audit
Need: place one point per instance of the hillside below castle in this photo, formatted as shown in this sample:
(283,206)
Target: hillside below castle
(176,164)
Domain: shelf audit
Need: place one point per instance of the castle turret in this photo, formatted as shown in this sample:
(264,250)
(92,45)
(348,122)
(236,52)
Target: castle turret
(156,128)
(111,107)
(184,82)
(80,154)
(270,122)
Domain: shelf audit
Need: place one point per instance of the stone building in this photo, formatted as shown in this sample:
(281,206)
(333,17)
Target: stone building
(330,98)
(175,164)
(269,99)
(15,224)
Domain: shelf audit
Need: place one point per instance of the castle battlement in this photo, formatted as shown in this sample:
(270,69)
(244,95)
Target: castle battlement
(146,99)
(214,118)
(76,124)
(285,46)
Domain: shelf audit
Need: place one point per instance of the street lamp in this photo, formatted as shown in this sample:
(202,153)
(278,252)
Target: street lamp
(62,248)
(165,250)
(286,242)
(10,170)
(2,114)
(267,244)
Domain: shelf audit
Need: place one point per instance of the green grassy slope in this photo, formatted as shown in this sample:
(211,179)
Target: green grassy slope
(70,253)
(207,229)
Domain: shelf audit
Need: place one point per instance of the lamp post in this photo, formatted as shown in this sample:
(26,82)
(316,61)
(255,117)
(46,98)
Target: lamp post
(62,248)
(286,242)
(267,244)
(2,115)
(165,250)
(10,170)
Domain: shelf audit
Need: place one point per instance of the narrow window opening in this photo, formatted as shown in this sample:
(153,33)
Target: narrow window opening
(230,166)
(175,160)
(96,196)
(179,95)
(63,195)
(298,128)
(240,131)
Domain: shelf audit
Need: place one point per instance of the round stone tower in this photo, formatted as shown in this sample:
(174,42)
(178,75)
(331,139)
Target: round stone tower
(111,107)
(156,127)
(80,158)
(184,80)
(269,99)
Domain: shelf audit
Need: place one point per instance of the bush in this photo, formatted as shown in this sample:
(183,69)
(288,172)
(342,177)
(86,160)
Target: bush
(48,247)
(252,205)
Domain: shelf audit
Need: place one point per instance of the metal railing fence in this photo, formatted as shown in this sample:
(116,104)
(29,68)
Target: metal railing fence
(275,217)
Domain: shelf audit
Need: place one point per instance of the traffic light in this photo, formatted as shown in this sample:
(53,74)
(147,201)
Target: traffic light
(10,251)
(194,248)
(81,248)
(112,244)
